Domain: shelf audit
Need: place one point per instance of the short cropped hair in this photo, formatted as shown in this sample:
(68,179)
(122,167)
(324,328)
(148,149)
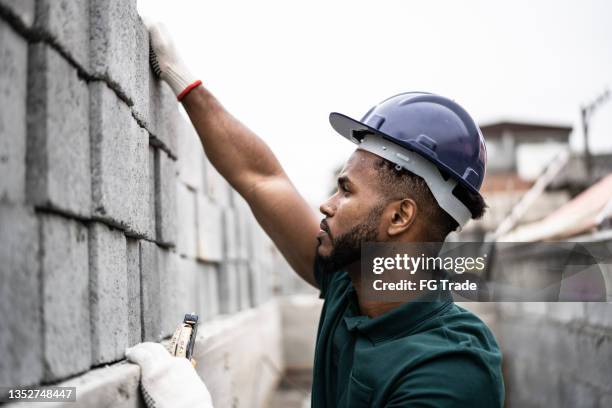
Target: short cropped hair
(397,184)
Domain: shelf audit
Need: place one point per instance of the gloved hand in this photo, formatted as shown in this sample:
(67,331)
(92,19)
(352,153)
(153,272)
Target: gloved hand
(166,62)
(167,381)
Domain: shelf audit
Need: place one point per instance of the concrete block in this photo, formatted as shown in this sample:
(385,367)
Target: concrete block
(190,156)
(244,219)
(217,188)
(152,194)
(140,109)
(186,222)
(58,156)
(65,283)
(13,91)
(21,11)
(20,302)
(150,291)
(164,118)
(229,288)
(187,292)
(207,292)
(65,23)
(210,230)
(230,227)
(133,291)
(114,386)
(116,46)
(165,199)
(120,164)
(170,295)
(108,293)
(212,297)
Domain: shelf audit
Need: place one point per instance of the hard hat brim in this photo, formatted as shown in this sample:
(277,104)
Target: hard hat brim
(355,130)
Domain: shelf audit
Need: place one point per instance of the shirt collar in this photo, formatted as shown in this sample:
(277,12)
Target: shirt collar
(401,320)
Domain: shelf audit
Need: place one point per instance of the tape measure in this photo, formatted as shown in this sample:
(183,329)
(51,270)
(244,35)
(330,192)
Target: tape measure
(183,340)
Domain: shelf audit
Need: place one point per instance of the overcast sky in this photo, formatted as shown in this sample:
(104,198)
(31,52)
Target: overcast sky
(282,66)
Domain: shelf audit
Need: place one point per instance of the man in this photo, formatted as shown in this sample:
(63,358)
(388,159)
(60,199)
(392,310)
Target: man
(413,178)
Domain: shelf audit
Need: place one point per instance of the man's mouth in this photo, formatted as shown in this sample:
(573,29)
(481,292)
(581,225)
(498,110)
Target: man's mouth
(323,229)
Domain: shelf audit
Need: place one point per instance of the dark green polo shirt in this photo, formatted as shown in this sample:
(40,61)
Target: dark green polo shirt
(421,354)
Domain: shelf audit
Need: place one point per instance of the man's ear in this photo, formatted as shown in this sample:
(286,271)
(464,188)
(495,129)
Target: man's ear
(403,216)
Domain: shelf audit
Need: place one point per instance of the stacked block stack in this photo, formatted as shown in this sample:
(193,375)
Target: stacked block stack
(112,222)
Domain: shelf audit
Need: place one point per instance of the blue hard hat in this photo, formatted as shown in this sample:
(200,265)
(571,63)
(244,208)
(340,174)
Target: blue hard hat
(433,126)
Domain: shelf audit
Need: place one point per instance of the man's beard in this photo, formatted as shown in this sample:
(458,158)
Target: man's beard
(346,248)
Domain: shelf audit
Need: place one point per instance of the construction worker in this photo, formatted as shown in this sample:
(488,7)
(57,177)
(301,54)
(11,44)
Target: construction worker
(414,177)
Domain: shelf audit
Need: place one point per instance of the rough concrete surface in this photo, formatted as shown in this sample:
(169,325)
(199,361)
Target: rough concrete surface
(13,81)
(108,293)
(20,10)
(150,291)
(20,302)
(109,230)
(120,164)
(65,269)
(115,57)
(165,199)
(66,23)
(210,230)
(186,223)
(133,289)
(58,165)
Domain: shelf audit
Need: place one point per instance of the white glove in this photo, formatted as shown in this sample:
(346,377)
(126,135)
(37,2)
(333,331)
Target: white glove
(167,381)
(166,62)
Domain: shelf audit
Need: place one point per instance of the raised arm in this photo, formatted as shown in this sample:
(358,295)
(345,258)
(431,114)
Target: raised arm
(244,160)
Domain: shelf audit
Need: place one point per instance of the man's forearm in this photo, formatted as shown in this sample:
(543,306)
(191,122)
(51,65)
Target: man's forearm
(237,153)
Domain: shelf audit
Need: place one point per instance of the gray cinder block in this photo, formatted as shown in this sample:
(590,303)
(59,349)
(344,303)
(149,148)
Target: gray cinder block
(66,24)
(187,292)
(230,227)
(133,289)
(163,115)
(165,199)
(210,230)
(170,295)
(58,164)
(152,180)
(20,301)
(187,234)
(190,156)
(141,75)
(229,288)
(114,53)
(13,91)
(65,282)
(120,164)
(150,292)
(217,188)
(108,293)
(20,10)
(207,290)
(244,219)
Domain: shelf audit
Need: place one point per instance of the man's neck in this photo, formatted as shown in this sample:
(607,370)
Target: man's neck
(367,307)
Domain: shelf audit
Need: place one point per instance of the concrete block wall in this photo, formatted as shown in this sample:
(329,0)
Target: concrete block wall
(556,354)
(112,222)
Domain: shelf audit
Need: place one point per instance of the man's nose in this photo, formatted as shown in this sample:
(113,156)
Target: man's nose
(327,208)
